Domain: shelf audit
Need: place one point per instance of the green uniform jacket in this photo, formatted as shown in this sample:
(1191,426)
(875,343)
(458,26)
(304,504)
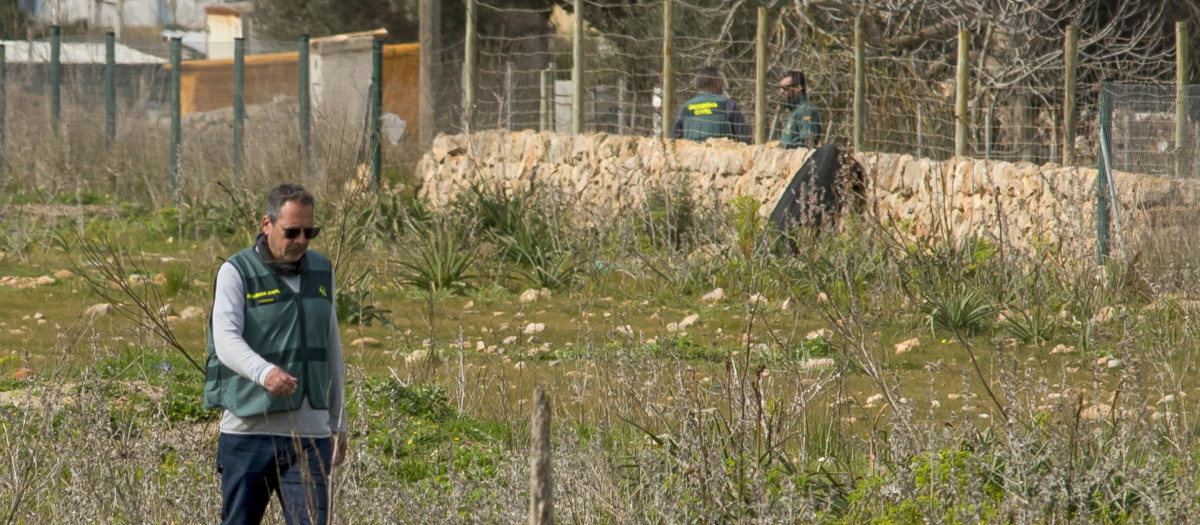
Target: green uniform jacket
(289,330)
(710,115)
(803,127)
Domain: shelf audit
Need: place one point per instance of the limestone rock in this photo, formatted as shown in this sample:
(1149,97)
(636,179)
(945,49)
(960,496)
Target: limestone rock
(101,309)
(905,347)
(529,296)
(364,342)
(191,312)
(714,296)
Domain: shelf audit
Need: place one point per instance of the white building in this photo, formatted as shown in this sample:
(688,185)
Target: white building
(120,13)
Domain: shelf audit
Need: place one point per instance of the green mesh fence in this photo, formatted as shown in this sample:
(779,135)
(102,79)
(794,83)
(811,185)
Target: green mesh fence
(1150,170)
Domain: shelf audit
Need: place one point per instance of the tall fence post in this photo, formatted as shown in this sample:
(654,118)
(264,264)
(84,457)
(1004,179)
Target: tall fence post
(470,68)
(577,71)
(376,112)
(668,68)
(1181,99)
(305,100)
(1105,167)
(510,88)
(110,89)
(429,22)
(960,106)
(55,77)
(545,84)
(622,102)
(176,116)
(1071,57)
(3,106)
(239,105)
(860,82)
(541,484)
(760,79)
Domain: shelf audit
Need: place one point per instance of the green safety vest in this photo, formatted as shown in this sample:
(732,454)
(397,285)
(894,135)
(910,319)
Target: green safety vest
(704,116)
(803,127)
(288,329)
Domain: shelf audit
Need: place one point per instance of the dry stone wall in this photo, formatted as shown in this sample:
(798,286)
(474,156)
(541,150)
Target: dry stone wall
(1028,206)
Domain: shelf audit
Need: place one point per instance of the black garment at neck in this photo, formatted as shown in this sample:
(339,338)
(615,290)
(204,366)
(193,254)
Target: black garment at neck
(283,269)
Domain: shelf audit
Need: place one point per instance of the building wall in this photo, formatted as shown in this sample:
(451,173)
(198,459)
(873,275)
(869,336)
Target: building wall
(134,13)
(206,85)
(220,31)
(340,78)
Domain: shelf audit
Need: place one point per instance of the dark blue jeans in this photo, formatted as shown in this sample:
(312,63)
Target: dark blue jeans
(254,466)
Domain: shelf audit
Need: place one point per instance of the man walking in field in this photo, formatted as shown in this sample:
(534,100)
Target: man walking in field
(275,365)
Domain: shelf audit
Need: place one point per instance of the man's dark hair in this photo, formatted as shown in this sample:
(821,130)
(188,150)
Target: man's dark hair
(708,78)
(283,193)
(798,80)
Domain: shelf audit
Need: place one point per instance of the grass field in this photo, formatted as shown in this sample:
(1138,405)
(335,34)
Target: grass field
(864,378)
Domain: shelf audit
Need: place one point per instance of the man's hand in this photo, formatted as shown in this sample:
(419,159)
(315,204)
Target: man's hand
(340,442)
(280,383)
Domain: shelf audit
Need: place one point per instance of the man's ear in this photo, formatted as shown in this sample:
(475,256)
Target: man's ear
(266,223)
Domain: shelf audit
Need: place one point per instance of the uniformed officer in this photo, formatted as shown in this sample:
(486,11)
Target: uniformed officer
(710,114)
(803,128)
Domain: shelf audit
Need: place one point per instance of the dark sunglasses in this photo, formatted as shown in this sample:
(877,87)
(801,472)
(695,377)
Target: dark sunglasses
(310,233)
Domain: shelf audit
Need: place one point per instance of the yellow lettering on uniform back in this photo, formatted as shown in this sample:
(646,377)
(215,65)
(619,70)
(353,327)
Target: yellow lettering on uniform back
(702,108)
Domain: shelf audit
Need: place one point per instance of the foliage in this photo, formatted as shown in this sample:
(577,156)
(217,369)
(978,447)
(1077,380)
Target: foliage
(441,260)
(670,217)
(356,302)
(960,310)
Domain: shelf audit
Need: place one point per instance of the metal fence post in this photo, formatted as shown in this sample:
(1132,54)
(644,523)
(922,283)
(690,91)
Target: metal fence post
(376,110)
(55,77)
(1105,166)
(239,105)
(305,99)
(176,131)
(110,89)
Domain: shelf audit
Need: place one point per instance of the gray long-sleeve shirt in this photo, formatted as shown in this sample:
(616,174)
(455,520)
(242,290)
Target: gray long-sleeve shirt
(227,323)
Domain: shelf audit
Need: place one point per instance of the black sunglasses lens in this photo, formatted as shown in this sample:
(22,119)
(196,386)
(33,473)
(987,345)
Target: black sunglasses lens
(310,233)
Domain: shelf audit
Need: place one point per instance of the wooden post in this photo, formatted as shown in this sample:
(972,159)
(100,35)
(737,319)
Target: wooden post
(470,67)
(429,22)
(1071,57)
(960,105)
(541,484)
(622,96)
(509,88)
(544,106)
(577,71)
(860,83)
(760,79)
(668,70)
(1181,98)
